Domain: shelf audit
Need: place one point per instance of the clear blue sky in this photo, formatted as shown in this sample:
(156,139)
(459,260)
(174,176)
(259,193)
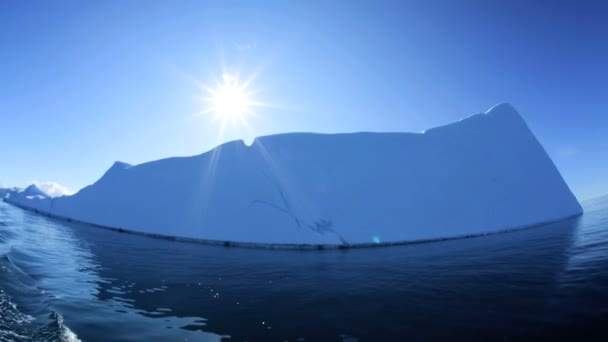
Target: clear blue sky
(86,83)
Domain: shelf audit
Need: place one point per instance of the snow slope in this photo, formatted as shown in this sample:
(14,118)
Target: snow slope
(485,173)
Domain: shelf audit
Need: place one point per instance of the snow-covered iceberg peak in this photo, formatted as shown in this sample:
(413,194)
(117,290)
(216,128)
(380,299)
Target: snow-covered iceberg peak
(504,108)
(485,173)
(116,168)
(33,190)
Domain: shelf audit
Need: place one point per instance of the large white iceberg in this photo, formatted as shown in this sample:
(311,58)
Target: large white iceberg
(483,174)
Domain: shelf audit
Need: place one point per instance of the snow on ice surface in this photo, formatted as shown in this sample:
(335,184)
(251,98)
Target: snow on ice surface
(485,173)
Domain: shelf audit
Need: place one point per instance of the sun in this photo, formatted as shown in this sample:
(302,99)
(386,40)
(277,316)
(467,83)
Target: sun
(230,100)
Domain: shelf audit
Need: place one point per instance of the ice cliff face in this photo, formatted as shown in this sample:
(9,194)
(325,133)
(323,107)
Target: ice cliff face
(482,174)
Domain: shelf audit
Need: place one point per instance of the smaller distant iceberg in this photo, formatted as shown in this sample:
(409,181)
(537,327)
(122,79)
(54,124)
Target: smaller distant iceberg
(6,192)
(49,189)
(32,192)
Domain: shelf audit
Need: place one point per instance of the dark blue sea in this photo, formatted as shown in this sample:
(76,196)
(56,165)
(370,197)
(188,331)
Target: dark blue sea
(61,281)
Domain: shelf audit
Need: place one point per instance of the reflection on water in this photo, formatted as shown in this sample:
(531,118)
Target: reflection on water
(106,286)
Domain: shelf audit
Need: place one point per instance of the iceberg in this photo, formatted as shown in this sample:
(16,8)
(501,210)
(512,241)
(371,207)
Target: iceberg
(30,192)
(484,174)
(4,192)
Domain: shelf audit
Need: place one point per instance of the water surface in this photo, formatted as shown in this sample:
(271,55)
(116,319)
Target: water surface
(63,281)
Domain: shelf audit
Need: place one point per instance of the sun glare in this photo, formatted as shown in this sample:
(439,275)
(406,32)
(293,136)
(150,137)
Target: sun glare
(229,101)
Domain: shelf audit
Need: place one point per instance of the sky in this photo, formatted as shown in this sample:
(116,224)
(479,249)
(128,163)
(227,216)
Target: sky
(85,83)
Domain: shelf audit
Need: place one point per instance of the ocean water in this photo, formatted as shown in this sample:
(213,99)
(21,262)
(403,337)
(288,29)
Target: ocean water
(61,281)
